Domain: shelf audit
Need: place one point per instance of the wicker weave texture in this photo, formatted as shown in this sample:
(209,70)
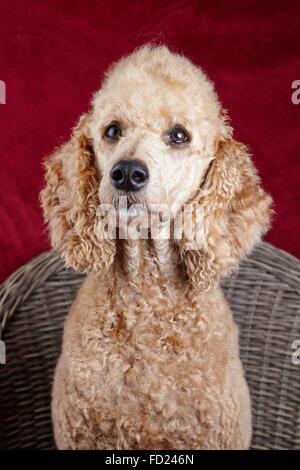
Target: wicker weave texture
(264,295)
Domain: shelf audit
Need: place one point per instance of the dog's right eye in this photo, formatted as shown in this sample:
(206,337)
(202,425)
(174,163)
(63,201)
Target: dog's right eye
(113,132)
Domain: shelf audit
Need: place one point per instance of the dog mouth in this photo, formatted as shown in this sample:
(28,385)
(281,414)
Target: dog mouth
(128,207)
(128,201)
(131,207)
(132,216)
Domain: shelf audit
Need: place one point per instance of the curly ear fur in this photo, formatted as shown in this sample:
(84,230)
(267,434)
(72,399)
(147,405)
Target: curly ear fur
(236,214)
(70,201)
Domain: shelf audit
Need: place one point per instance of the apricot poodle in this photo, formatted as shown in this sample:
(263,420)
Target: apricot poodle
(150,356)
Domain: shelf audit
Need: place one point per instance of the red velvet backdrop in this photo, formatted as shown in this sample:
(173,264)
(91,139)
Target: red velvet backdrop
(53,55)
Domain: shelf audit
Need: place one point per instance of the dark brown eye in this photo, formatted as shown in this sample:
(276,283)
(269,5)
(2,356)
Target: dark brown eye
(113,132)
(178,136)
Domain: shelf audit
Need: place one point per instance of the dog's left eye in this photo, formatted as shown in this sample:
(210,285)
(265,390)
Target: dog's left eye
(178,136)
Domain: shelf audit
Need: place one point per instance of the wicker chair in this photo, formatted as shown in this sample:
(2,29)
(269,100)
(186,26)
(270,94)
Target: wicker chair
(265,298)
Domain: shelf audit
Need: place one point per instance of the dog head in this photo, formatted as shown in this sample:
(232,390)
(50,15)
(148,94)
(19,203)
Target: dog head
(157,134)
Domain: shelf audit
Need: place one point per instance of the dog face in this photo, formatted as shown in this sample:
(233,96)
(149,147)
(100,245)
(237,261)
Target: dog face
(156,133)
(154,125)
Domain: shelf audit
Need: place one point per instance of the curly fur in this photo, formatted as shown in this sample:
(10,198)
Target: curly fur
(150,355)
(70,202)
(236,214)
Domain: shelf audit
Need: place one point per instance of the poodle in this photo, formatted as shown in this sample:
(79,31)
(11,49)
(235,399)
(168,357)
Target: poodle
(150,356)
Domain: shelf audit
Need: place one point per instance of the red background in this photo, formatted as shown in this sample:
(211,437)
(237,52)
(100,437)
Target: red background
(53,55)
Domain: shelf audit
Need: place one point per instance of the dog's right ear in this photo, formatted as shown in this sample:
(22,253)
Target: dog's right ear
(70,202)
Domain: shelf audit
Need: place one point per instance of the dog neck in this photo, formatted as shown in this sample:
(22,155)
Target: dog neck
(157,261)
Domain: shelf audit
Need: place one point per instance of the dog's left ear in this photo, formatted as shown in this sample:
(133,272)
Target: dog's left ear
(236,213)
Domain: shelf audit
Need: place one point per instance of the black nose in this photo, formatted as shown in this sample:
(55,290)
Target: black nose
(129,175)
